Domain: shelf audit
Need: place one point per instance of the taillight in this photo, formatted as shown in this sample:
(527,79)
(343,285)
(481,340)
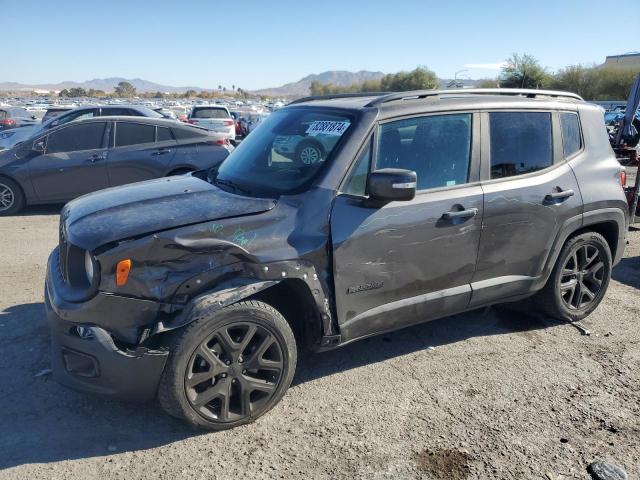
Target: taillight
(8,122)
(623,178)
(228,123)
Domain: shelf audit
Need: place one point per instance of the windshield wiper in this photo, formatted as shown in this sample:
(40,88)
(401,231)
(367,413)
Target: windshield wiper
(233,185)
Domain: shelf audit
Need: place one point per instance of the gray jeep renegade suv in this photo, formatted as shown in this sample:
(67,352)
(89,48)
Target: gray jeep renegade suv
(199,289)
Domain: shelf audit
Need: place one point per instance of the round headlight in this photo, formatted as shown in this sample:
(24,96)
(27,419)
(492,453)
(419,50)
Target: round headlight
(88,266)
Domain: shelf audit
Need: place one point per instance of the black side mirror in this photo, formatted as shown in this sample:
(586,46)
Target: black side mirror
(38,146)
(33,117)
(392,184)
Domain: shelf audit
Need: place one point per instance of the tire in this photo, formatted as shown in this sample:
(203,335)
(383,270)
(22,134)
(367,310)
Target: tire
(563,294)
(309,153)
(203,374)
(11,197)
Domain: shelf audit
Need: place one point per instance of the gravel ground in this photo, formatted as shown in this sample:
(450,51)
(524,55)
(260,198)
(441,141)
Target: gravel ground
(494,393)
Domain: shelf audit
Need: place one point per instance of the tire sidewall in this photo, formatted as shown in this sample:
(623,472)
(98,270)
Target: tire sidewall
(601,244)
(203,326)
(18,197)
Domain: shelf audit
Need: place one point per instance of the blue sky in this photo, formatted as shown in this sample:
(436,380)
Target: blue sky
(255,44)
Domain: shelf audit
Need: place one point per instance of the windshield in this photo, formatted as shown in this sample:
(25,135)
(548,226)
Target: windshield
(284,154)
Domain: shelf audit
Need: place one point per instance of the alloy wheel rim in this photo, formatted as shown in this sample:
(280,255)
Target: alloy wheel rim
(7,198)
(234,373)
(582,276)
(309,155)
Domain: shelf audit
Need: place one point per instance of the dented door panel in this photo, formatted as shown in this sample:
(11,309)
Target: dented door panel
(403,263)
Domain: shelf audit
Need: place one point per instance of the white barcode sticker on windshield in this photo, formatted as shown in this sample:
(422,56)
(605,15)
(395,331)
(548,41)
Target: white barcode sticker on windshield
(325,127)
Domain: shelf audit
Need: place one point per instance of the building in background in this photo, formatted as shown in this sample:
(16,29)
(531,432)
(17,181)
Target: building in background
(627,60)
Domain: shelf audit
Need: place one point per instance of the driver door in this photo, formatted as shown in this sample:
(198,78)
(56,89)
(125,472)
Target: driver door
(405,262)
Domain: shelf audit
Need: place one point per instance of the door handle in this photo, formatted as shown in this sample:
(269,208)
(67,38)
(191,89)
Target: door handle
(559,195)
(161,151)
(470,212)
(95,157)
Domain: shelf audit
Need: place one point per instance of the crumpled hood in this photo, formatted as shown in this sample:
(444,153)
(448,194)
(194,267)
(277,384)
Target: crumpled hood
(146,207)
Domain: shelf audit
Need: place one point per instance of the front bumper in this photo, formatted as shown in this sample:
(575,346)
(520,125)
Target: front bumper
(96,363)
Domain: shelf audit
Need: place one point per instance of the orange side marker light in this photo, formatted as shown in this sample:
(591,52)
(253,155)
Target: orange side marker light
(122,272)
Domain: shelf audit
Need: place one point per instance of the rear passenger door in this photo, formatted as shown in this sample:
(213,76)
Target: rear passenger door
(530,192)
(140,151)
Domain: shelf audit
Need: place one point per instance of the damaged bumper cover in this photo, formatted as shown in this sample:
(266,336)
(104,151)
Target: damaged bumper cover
(88,358)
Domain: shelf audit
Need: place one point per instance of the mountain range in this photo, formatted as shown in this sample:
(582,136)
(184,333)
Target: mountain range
(293,89)
(105,84)
(340,78)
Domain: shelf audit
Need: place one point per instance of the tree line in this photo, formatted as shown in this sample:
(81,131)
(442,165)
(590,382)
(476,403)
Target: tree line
(420,78)
(127,90)
(519,71)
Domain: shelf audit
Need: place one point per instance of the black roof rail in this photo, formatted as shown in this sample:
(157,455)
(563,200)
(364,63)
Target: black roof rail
(420,94)
(337,95)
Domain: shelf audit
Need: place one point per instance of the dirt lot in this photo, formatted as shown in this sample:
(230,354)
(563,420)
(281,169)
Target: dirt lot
(489,394)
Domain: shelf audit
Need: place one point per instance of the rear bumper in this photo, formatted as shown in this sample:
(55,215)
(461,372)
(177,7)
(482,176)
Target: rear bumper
(95,363)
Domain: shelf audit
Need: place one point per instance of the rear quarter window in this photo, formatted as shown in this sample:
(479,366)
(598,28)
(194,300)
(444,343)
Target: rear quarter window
(571,137)
(164,134)
(186,133)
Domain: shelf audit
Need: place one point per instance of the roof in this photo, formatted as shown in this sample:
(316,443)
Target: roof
(168,122)
(429,101)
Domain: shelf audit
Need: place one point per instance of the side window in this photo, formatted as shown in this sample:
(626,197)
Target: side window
(164,134)
(356,184)
(520,143)
(571,138)
(187,133)
(75,138)
(134,134)
(72,117)
(437,148)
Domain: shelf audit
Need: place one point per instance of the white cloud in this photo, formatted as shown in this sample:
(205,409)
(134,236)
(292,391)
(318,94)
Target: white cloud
(485,66)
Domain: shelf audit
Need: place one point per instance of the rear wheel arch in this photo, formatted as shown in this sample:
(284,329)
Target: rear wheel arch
(608,222)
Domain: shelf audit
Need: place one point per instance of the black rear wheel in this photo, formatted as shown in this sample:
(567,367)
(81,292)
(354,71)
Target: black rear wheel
(230,366)
(579,279)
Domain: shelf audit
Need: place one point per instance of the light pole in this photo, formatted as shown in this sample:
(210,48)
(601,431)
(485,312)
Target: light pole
(455,78)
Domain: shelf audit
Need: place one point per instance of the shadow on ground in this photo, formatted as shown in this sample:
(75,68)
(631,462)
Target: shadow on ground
(41,421)
(34,210)
(628,272)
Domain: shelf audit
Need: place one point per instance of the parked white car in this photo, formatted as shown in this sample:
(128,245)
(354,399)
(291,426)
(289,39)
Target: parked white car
(216,118)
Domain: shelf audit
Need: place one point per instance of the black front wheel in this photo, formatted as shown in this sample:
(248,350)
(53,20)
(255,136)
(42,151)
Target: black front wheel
(579,279)
(230,366)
